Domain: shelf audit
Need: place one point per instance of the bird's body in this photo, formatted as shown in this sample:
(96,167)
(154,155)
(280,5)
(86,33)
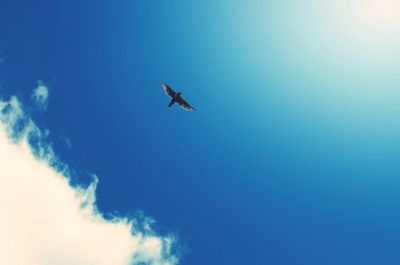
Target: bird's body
(176,97)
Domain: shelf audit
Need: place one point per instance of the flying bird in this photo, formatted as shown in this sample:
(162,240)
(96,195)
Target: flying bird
(176,97)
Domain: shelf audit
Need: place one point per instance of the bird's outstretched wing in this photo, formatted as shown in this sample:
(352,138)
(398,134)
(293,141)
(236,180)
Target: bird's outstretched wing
(183,104)
(168,90)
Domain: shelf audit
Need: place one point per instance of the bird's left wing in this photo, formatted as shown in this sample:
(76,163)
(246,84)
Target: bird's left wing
(183,104)
(168,90)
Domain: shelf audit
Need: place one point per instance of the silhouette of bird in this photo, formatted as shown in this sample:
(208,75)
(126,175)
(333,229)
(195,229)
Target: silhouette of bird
(176,97)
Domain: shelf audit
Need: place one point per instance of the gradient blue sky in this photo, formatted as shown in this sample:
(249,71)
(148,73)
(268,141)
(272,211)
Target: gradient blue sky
(293,155)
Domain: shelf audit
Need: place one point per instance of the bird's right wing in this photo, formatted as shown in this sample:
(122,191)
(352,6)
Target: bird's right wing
(168,90)
(183,104)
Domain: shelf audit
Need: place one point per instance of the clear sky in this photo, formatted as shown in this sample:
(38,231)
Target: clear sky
(292,157)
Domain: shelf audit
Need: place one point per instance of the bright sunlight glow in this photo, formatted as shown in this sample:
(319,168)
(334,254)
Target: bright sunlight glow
(383,13)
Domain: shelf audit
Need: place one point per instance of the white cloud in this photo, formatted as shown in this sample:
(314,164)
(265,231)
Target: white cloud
(40,95)
(46,221)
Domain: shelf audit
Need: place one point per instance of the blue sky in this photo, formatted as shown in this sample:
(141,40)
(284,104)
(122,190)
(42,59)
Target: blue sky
(292,156)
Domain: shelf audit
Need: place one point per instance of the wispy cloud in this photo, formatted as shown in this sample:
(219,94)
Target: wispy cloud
(46,221)
(40,95)
(67,142)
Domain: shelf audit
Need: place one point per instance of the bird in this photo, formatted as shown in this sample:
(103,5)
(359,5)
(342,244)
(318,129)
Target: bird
(176,97)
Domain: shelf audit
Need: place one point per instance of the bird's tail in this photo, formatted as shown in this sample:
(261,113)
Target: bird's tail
(171,103)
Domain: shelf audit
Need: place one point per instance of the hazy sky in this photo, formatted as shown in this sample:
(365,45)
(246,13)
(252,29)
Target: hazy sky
(292,156)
